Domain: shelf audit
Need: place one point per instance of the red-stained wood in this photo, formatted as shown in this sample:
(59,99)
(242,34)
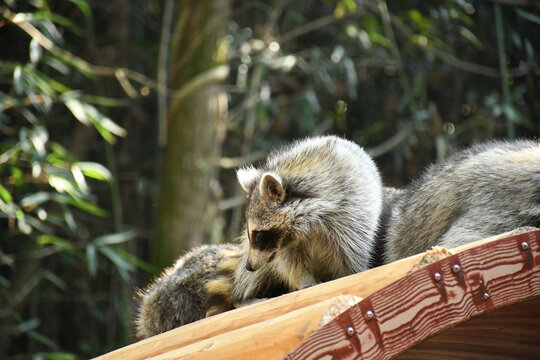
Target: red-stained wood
(417,306)
(509,333)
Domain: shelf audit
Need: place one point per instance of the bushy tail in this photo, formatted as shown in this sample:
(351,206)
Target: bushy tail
(219,289)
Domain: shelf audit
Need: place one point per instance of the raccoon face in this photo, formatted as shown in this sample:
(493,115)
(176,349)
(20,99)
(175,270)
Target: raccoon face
(263,246)
(267,221)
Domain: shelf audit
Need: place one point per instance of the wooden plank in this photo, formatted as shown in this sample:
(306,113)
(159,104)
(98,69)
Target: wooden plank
(362,285)
(512,332)
(430,300)
(270,339)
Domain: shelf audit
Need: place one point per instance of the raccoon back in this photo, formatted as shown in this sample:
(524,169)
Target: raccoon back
(485,190)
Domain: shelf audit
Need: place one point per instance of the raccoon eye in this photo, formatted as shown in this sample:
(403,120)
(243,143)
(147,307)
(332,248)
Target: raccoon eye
(265,239)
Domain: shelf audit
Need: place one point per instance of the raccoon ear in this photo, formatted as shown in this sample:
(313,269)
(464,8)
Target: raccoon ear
(246,177)
(271,187)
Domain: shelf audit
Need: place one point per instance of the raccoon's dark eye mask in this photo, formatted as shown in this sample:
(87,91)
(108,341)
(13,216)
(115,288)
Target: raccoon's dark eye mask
(264,239)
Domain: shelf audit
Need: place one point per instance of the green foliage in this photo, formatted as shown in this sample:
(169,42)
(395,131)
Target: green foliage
(429,72)
(57,239)
(79,160)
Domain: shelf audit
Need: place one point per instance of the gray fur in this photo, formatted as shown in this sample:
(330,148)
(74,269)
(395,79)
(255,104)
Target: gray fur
(251,285)
(325,197)
(483,191)
(322,197)
(179,296)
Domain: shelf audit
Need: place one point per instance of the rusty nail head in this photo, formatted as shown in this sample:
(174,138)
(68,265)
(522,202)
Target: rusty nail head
(485,296)
(456,268)
(368,315)
(350,331)
(437,276)
(525,246)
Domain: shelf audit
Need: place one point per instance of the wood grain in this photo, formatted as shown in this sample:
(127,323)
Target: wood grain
(270,339)
(509,333)
(418,306)
(361,285)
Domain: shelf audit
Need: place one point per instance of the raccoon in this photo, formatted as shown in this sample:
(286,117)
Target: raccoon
(234,286)
(486,190)
(250,286)
(198,285)
(312,213)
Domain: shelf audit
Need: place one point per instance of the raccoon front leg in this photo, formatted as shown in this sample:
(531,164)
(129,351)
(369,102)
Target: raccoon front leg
(307,281)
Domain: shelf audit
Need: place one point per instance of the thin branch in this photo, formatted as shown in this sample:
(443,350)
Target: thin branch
(502,67)
(391,143)
(22,22)
(311,26)
(204,79)
(448,58)
(162,72)
(389,32)
(233,163)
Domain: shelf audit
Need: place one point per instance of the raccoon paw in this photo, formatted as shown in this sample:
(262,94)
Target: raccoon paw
(307,281)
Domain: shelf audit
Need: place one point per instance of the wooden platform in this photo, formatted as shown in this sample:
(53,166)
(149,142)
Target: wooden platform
(409,312)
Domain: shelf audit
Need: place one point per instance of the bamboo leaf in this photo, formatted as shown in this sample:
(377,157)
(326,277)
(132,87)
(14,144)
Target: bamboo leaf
(104,101)
(104,122)
(23,225)
(79,177)
(5,195)
(57,65)
(82,204)
(69,219)
(83,7)
(61,184)
(18,80)
(78,110)
(55,241)
(91,259)
(35,199)
(113,239)
(60,356)
(42,339)
(54,279)
(39,137)
(121,264)
(528,16)
(95,170)
(468,35)
(137,261)
(28,325)
(35,51)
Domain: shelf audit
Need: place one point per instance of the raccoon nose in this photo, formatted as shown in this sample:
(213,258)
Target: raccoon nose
(249,267)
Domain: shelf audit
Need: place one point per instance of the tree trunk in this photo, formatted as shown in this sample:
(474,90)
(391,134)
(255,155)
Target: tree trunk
(194,128)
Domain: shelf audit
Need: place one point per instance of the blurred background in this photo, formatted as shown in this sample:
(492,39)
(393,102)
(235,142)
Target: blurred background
(122,122)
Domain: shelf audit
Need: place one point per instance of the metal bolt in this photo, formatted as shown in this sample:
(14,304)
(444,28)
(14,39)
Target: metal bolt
(437,276)
(350,331)
(456,268)
(485,296)
(525,246)
(368,315)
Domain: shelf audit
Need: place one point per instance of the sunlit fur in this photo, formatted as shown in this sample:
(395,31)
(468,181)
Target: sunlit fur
(326,216)
(485,190)
(180,295)
(326,207)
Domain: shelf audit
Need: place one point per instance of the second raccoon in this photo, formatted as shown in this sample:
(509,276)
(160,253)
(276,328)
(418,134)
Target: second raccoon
(482,191)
